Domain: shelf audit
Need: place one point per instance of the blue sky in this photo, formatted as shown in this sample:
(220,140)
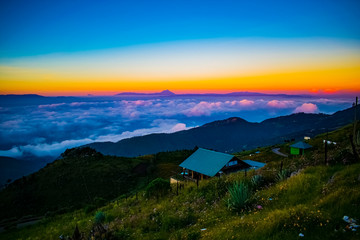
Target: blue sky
(40,27)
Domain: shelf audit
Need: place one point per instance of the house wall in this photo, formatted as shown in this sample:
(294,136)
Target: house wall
(295,151)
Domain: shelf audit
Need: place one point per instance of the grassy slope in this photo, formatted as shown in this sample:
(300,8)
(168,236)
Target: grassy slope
(313,203)
(81,176)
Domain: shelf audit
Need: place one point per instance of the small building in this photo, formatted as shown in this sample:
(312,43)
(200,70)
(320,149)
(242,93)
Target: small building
(254,164)
(299,148)
(205,163)
(307,138)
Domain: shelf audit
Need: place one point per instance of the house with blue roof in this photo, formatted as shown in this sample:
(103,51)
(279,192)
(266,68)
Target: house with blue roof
(204,163)
(299,148)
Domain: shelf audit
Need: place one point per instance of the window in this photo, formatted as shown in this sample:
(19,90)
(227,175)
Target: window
(231,163)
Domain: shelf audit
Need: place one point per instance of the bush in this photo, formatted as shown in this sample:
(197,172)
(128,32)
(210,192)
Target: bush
(99,217)
(121,234)
(89,208)
(257,181)
(194,235)
(214,189)
(282,175)
(99,201)
(158,187)
(240,194)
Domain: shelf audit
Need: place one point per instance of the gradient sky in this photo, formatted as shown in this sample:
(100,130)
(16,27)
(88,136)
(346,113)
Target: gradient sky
(103,47)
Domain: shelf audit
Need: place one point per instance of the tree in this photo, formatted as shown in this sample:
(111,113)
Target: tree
(158,187)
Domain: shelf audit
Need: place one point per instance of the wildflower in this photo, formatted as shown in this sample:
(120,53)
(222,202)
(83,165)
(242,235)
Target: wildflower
(301,235)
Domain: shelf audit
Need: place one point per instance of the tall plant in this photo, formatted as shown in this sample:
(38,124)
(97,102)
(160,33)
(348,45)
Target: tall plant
(240,195)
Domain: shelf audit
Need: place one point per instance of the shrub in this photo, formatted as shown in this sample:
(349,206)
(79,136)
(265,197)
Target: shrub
(89,208)
(257,181)
(240,194)
(195,235)
(121,234)
(99,217)
(158,187)
(282,175)
(99,201)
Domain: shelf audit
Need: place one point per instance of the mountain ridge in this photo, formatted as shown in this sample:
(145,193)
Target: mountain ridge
(229,135)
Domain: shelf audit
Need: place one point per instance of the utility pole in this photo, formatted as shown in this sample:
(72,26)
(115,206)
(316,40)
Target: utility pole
(353,135)
(327,134)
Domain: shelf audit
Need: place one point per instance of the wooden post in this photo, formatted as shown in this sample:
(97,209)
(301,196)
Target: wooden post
(197,181)
(177,188)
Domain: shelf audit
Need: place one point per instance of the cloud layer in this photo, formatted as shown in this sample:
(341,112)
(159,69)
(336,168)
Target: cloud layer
(49,128)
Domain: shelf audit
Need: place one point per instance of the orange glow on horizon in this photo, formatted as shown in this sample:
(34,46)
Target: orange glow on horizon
(325,81)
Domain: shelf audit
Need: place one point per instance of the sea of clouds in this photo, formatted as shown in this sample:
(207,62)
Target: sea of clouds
(49,129)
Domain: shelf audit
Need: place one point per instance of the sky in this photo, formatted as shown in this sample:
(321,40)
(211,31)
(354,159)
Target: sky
(101,48)
(78,47)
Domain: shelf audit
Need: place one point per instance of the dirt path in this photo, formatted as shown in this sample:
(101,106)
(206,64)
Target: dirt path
(276,151)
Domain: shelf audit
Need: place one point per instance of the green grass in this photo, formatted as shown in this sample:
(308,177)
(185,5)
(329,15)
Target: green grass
(312,202)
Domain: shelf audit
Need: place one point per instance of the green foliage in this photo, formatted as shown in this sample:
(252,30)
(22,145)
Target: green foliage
(214,189)
(283,175)
(100,217)
(257,181)
(69,183)
(177,220)
(122,234)
(99,201)
(194,235)
(89,208)
(312,202)
(240,195)
(158,187)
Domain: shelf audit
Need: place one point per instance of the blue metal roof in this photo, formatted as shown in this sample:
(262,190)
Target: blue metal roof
(254,164)
(206,161)
(301,145)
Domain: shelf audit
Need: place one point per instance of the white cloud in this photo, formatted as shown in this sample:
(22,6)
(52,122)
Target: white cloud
(307,108)
(280,104)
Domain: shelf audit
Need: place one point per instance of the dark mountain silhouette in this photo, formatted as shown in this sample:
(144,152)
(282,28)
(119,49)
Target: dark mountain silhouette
(12,168)
(163,93)
(230,135)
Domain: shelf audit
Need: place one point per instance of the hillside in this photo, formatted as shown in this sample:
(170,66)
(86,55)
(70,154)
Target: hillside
(230,135)
(312,202)
(83,177)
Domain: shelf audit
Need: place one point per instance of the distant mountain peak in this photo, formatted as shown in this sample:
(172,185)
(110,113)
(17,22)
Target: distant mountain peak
(162,93)
(167,92)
